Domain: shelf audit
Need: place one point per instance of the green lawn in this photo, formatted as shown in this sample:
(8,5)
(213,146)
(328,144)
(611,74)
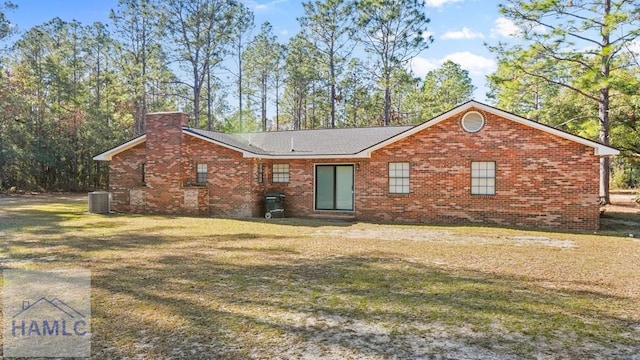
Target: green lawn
(179,287)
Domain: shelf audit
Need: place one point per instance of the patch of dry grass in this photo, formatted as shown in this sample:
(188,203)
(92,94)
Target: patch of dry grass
(178,287)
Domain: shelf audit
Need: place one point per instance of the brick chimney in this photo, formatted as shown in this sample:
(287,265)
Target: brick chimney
(163,161)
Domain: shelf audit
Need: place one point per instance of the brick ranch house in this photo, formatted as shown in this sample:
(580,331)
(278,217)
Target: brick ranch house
(472,164)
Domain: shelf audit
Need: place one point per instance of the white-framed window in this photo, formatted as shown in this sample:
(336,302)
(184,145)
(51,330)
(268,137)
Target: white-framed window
(399,178)
(483,178)
(280,173)
(260,174)
(201,173)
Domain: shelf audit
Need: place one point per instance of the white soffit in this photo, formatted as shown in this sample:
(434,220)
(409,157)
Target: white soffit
(107,155)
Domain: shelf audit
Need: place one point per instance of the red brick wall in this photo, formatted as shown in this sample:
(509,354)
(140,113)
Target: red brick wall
(230,178)
(125,173)
(541,180)
(170,158)
(164,162)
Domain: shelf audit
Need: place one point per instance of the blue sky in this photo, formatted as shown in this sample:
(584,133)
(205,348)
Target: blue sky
(459,27)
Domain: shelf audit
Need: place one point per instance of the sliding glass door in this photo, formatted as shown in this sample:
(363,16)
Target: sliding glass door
(334,187)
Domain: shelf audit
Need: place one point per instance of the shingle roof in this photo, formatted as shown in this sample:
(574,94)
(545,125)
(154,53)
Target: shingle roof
(231,140)
(344,141)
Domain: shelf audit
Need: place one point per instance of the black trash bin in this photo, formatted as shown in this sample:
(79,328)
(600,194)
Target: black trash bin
(274,202)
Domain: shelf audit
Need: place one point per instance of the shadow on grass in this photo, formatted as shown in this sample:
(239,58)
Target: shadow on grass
(92,248)
(33,220)
(298,221)
(620,223)
(361,306)
(218,300)
(29,218)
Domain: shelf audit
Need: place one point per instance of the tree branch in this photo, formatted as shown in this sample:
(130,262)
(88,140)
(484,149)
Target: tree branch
(551,81)
(534,20)
(552,54)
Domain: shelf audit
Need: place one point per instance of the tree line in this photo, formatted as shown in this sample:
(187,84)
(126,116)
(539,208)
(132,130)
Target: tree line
(71,90)
(577,69)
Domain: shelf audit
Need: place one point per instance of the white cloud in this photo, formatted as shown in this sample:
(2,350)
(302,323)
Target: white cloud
(634,46)
(465,33)
(259,6)
(427,34)
(439,3)
(421,66)
(539,29)
(477,65)
(505,27)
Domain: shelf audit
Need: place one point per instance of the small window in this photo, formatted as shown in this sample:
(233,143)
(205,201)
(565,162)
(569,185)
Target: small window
(399,178)
(143,173)
(483,178)
(280,173)
(201,177)
(472,122)
(260,174)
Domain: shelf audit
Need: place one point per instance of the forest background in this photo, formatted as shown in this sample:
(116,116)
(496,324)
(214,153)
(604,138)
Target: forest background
(70,90)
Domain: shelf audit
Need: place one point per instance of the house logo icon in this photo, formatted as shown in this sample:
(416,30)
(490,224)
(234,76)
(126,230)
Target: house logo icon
(48,318)
(46,313)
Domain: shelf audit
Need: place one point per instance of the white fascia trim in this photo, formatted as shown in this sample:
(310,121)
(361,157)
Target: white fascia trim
(420,127)
(108,155)
(361,155)
(606,151)
(599,149)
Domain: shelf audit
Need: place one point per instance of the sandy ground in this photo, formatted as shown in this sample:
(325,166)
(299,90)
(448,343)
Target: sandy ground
(34,197)
(623,203)
(332,336)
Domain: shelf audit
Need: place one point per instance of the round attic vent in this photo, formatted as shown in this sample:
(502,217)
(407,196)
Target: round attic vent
(472,121)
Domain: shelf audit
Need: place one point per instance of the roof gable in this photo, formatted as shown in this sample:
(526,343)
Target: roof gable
(109,154)
(599,149)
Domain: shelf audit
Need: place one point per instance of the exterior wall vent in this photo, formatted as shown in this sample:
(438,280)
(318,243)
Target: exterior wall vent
(99,202)
(472,122)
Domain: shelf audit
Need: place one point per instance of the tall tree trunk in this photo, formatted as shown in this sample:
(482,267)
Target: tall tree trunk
(196,107)
(277,104)
(305,108)
(263,102)
(605,169)
(207,68)
(209,113)
(387,104)
(299,103)
(197,90)
(332,75)
(603,104)
(355,114)
(313,107)
(143,97)
(240,83)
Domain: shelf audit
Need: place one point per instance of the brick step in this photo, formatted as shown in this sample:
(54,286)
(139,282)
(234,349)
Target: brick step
(333,216)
